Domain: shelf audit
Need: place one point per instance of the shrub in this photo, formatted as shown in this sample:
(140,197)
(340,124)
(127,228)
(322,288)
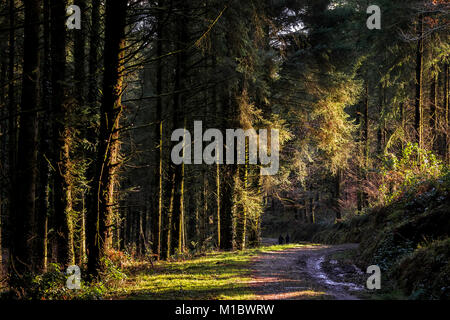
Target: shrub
(414,166)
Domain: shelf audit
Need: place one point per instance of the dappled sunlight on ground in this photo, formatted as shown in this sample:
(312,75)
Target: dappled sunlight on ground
(268,273)
(293,295)
(289,274)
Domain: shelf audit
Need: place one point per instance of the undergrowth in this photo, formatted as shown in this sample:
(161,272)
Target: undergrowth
(408,238)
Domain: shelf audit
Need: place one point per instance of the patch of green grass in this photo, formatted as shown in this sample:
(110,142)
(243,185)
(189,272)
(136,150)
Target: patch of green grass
(214,276)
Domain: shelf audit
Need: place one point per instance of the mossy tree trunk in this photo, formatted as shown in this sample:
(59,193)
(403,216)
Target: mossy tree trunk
(101,213)
(43,205)
(419,79)
(62,137)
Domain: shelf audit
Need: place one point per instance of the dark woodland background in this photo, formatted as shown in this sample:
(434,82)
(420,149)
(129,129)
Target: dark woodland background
(86,118)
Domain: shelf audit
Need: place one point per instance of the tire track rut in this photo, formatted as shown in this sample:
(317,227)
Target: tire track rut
(299,274)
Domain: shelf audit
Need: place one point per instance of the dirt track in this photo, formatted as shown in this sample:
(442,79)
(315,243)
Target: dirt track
(306,273)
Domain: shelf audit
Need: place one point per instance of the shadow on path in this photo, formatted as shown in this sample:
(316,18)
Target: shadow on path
(297,274)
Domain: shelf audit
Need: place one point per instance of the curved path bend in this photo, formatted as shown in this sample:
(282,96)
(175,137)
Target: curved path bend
(306,272)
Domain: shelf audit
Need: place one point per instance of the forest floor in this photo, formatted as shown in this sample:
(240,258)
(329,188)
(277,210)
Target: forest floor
(288,272)
(309,272)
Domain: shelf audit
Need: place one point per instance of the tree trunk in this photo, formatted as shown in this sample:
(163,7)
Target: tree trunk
(179,105)
(217,173)
(218,203)
(12,110)
(94,46)
(366,143)
(23,216)
(254,237)
(79,57)
(312,218)
(338,194)
(433,109)
(177,210)
(43,205)
(402,121)
(167,217)
(381,122)
(447,115)
(79,77)
(3,149)
(62,137)
(100,215)
(245,209)
(418,99)
(359,204)
(82,252)
(157,215)
(226,206)
(94,67)
(227,177)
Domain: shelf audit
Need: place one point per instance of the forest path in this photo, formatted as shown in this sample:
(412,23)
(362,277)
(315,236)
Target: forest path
(306,272)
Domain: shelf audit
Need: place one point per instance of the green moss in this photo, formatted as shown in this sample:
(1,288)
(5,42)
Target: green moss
(425,274)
